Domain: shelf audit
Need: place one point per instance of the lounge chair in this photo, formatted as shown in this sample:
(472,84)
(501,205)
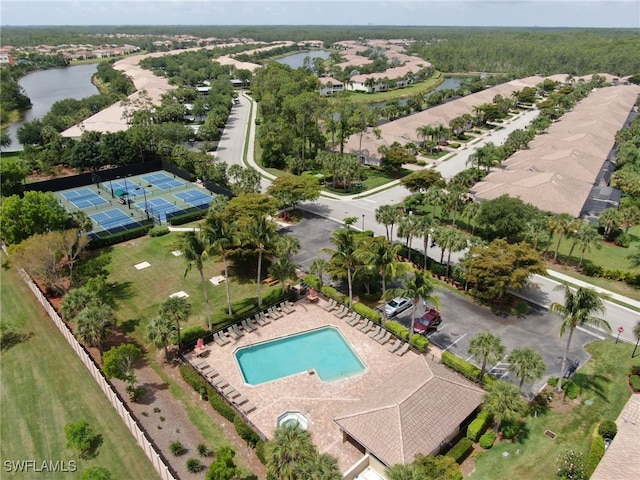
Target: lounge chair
(220,383)
(200,364)
(237,330)
(264,318)
(285,308)
(330,306)
(290,306)
(211,373)
(403,350)
(273,313)
(247,408)
(385,338)
(375,332)
(350,316)
(259,321)
(355,319)
(241,400)
(232,333)
(221,339)
(380,334)
(340,311)
(366,326)
(247,326)
(344,313)
(395,346)
(230,392)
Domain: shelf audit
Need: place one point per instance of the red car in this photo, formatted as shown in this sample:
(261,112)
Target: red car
(429,321)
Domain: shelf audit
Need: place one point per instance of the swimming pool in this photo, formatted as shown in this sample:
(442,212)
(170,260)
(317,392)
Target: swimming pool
(323,350)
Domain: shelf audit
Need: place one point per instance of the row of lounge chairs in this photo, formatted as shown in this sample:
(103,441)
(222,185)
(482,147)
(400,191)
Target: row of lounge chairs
(223,387)
(379,334)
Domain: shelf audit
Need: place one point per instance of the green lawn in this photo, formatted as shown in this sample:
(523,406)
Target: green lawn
(44,387)
(422,87)
(533,455)
(139,293)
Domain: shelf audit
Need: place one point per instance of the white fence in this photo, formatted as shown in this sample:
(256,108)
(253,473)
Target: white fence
(154,456)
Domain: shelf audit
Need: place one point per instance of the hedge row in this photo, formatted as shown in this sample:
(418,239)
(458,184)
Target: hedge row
(367,312)
(333,293)
(118,237)
(461,450)
(571,389)
(486,440)
(191,335)
(626,276)
(159,231)
(596,452)
(420,342)
(397,329)
(465,368)
(246,432)
(187,217)
(478,426)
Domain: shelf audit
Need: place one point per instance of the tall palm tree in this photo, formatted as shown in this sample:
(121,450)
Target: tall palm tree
(381,256)
(401,471)
(222,235)
(588,238)
(388,215)
(486,348)
(318,268)
(611,219)
(261,233)
(424,132)
(418,287)
(160,331)
(291,446)
(472,212)
(407,229)
(526,364)
(578,310)
(195,249)
(344,261)
(76,300)
(561,225)
(425,227)
(94,324)
(319,467)
(451,240)
(177,310)
(282,270)
(434,196)
(503,401)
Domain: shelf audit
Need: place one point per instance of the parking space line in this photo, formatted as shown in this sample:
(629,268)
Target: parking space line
(455,342)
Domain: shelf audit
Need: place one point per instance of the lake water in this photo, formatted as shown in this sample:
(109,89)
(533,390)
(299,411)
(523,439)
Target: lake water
(296,60)
(46,87)
(450,83)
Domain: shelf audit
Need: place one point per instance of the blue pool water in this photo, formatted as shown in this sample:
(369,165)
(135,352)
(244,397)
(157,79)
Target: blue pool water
(324,350)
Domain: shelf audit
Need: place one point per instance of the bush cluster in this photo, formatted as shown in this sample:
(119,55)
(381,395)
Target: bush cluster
(608,429)
(177,448)
(596,452)
(186,218)
(571,389)
(397,329)
(246,432)
(631,278)
(465,368)
(634,381)
(486,440)
(118,237)
(159,231)
(478,426)
(191,335)
(510,429)
(194,465)
(260,453)
(312,280)
(461,450)
(333,293)
(420,342)
(367,312)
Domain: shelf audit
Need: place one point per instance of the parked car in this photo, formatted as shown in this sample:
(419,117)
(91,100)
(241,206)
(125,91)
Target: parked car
(397,305)
(428,322)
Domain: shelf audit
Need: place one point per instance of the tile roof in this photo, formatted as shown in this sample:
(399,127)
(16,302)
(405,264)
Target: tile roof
(411,412)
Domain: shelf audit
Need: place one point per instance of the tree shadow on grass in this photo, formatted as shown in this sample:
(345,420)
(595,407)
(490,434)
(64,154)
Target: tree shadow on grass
(93,449)
(129,326)
(121,290)
(11,339)
(593,384)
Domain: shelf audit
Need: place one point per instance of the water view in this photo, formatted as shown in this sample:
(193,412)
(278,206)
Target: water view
(296,60)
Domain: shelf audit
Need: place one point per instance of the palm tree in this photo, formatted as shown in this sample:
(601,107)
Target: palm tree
(94,324)
(434,196)
(379,255)
(486,348)
(452,240)
(76,300)
(561,224)
(611,220)
(261,232)
(424,132)
(526,364)
(577,311)
(160,331)
(195,248)
(286,246)
(425,227)
(401,471)
(318,268)
(472,212)
(503,401)
(537,230)
(343,260)
(222,235)
(419,287)
(291,446)
(319,467)
(282,270)
(407,229)
(388,215)
(177,310)
(636,333)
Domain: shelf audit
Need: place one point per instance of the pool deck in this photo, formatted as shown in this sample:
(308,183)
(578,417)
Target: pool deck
(320,402)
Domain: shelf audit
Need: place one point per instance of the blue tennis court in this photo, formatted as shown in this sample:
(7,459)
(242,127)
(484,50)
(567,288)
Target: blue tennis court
(84,198)
(114,220)
(195,197)
(128,188)
(160,208)
(162,180)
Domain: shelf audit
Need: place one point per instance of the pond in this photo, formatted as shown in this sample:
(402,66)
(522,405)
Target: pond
(296,60)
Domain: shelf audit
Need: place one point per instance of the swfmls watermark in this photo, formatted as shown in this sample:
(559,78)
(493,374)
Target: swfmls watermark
(38,466)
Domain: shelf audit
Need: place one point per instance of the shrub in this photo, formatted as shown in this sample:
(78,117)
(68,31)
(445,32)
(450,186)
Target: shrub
(397,329)
(421,163)
(608,429)
(333,293)
(177,448)
(194,465)
(461,450)
(189,217)
(203,450)
(634,370)
(465,368)
(420,342)
(623,240)
(478,426)
(570,465)
(118,237)
(367,312)
(371,297)
(634,381)
(135,393)
(312,280)
(159,231)
(260,446)
(193,378)
(553,381)
(486,440)
(596,452)
(274,296)
(246,432)
(96,473)
(191,335)
(510,429)
(454,145)
(219,405)
(571,389)
(79,436)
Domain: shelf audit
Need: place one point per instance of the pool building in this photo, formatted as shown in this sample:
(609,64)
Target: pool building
(376,408)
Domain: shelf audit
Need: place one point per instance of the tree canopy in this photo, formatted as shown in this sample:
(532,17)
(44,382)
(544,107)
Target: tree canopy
(506,217)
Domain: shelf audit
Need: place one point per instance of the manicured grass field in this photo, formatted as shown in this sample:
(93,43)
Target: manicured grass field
(139,293)
(422,87)
(533,455)
(44,387)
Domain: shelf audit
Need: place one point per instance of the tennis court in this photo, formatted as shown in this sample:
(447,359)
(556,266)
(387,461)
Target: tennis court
(84,198)
(160,208)
(162,180)
(127,188)
(195,198)
(114,220)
